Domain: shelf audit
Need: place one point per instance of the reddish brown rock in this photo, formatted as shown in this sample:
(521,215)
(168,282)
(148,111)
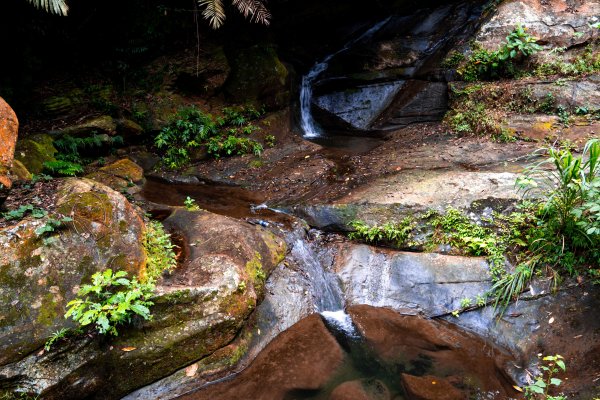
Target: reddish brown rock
(360,390)
(9,126)
(430,388)
(288,364)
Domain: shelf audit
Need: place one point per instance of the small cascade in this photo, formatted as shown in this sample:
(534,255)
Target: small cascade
(326,291)
(309,125)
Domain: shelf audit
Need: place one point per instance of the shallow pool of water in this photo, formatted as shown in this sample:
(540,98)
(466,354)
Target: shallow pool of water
(393,357)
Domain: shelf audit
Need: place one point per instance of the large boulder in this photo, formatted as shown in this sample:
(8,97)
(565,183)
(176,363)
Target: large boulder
(34,151)
(119,175)
(105,232)
(199,308)
(9,127)
(103,125)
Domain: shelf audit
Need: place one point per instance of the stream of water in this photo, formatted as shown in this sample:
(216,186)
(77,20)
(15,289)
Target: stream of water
(310,127)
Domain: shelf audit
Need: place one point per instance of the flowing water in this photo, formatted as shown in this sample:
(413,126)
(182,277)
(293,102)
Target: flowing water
(309,125)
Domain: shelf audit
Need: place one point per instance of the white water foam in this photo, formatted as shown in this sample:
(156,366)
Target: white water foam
(341,321)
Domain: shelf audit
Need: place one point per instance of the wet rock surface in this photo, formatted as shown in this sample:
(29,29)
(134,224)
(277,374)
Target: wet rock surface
(314,365)
(297,369)
(388,81)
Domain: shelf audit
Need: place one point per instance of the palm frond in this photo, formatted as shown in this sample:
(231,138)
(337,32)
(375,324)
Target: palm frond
(253,9)
(58,7)
(214,12)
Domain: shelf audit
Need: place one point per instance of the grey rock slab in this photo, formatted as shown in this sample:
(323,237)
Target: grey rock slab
(426,283)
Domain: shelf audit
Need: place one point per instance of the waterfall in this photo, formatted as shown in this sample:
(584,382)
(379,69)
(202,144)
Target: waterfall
(325,287)
(309,125)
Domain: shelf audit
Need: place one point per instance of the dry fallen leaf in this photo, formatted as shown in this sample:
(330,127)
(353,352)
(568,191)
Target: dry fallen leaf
(129,348)
(191,370)
(518,389)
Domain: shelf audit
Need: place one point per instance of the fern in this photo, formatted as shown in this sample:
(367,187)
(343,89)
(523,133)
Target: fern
(254,10)
(58,7)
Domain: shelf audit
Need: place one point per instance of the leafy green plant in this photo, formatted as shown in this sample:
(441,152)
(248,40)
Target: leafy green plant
(455,229)
(23,209)
(71,149)
(192,129)
(63,168)
(56,337)
(190,204)
(563,233)
(485,64)
(159,249)
(51,226)
(270,140)
(111,300)
(546,380)
(394,234)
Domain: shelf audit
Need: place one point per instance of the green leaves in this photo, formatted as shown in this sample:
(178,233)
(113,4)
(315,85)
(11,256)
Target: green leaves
(486,64)
(193,129)
(541,387)
(159,249)
(111,299)
(396,234)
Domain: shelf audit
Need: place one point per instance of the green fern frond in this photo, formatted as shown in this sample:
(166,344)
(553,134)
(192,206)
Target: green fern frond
(58,7)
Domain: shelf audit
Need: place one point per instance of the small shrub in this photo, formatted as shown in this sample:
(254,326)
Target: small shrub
(485,64)
(111,300)
(190,204)
(546,380)
(159,249)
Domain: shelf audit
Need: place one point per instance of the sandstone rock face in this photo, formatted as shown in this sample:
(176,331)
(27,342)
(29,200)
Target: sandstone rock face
(390,79)
(199,307)
(37,280)
(553,21)
(9,127)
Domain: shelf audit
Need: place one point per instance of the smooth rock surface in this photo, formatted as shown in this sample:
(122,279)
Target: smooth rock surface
(411,282)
